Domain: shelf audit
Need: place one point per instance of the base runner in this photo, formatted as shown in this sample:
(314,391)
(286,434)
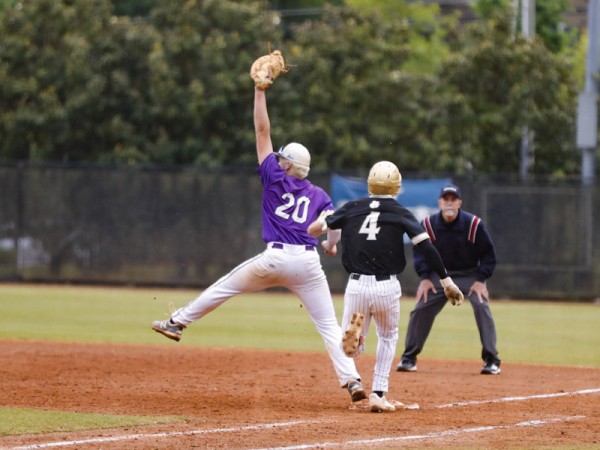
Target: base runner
(373,254)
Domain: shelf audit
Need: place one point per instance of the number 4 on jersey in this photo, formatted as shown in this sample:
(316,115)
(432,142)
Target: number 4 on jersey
(369,226)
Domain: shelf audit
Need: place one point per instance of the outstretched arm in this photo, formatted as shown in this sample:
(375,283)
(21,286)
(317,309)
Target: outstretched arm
(319,226)
(330,244)
(432,257)
(262,126)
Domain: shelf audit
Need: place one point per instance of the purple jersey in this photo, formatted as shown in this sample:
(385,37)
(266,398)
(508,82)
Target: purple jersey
(289,205)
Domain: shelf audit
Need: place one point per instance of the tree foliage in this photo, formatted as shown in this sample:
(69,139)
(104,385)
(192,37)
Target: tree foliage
(200,83)
(426,30)
(343,98)
(502,83)
(392,81)
(48,64)
(134,8)
(549,26)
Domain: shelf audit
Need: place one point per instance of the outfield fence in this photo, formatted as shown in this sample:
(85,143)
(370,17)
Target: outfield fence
(187,227)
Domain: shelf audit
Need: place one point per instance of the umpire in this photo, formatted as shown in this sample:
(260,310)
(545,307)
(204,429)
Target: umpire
(468,254)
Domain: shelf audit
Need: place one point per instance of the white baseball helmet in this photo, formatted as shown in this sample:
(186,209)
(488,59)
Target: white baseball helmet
(384,179)
(299,156)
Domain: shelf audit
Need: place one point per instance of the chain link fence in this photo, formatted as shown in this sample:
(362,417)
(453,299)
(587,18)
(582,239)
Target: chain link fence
(188,227)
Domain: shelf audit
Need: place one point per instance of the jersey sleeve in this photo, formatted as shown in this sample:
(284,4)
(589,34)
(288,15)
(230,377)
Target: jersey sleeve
(326,202)
(432,258)
(269,171)
(336,220)
(414,229)
(486,251)
(420,262)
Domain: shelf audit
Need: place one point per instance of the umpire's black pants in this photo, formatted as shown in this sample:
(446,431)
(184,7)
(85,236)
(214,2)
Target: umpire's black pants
(422,317)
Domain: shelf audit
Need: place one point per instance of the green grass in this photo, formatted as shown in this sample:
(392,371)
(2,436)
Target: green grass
(16,421)
(528,332)
(113,315)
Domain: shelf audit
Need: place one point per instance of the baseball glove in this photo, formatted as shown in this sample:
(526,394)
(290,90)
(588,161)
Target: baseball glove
(267,68)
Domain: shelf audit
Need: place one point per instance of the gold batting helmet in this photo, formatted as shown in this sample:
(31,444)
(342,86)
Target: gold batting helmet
(384,179)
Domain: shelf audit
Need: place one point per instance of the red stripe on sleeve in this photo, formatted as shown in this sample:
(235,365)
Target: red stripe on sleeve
(429,229)
(473,229)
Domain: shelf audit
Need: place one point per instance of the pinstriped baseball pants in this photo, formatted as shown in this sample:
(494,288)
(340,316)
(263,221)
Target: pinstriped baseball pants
(379,301)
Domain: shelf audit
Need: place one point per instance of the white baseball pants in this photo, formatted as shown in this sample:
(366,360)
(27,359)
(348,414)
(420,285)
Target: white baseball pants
(296,267)
(380,301)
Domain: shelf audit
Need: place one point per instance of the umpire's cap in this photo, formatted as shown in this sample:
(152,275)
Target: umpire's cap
(450,189)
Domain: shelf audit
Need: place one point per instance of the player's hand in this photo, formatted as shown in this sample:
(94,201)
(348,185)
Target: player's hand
(424,287)
(480,288)
(331,250)
(325,214)
(452,291)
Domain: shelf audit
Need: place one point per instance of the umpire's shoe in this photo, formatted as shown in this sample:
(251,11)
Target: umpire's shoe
(356,390)
(168,328)
(406,366)
(491,369)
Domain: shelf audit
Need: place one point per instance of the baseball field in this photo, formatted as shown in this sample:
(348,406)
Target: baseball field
(81,368)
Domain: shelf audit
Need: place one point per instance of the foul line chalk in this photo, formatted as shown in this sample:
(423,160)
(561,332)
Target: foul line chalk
(302,422)
(128,437)
(440,434)
(517,399)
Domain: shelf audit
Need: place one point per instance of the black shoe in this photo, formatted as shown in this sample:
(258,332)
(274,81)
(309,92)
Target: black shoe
(356,390)
(491,369)
(406,366)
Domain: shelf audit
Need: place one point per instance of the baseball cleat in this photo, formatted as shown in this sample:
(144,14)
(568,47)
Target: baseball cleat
(380,404)
(406,366)
(356,390)
(352,335)
(168,329)
(491,369)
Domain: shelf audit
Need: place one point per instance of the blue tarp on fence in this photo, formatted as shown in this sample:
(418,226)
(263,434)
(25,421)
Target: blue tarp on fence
(418,196)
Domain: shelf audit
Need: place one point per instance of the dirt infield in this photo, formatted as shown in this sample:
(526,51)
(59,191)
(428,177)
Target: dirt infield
(243,399)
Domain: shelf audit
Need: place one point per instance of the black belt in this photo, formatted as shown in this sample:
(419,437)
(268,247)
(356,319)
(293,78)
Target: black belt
(356,276)
(279,246)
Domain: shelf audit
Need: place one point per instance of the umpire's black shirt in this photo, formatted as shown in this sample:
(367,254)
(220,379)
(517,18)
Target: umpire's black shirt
(464,245)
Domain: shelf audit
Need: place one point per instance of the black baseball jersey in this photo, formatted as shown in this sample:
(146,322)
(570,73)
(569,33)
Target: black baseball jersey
(372,234)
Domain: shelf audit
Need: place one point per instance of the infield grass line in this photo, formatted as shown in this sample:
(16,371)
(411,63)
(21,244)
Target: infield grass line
(303,422)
